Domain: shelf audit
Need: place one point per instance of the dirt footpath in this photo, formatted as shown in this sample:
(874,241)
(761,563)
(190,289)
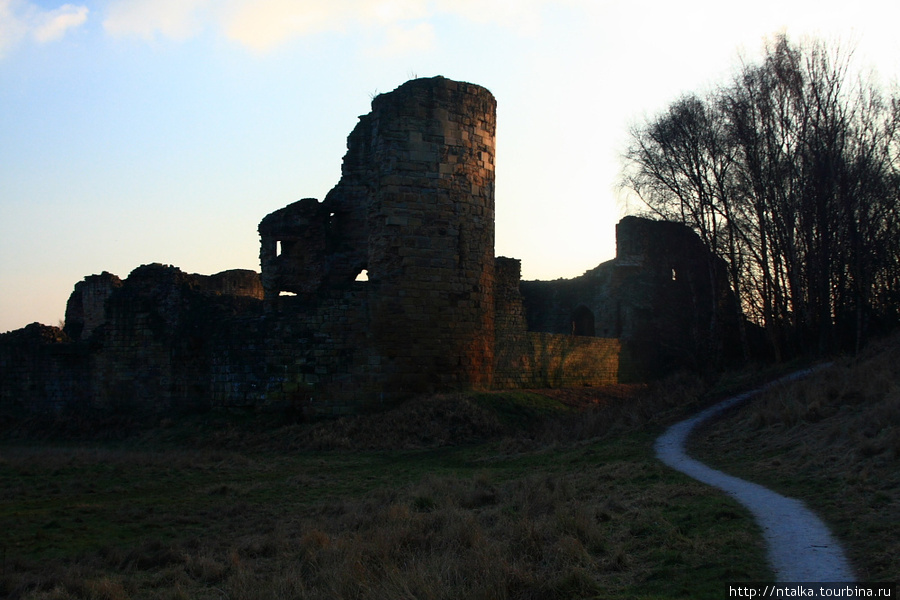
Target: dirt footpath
(800,546)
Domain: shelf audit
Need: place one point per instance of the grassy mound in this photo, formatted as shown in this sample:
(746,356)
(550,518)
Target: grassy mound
(551,494)
(526,494)
(832,439)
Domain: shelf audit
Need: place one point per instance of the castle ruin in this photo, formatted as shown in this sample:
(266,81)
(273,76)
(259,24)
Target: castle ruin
(414,210)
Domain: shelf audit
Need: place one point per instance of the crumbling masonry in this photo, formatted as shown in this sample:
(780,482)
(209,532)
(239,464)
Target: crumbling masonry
(414,210)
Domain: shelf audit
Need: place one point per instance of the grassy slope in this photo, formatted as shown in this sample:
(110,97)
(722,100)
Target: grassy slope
(485,496)
(834,441)
(514,495)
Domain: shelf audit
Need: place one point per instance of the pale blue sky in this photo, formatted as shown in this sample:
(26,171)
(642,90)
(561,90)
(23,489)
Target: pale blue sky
(137,131)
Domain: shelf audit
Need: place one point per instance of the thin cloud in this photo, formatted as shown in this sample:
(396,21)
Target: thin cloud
(20,20)
(145,19)
(521,15)
(403,40)
(262,25)
(12,29)
(53,25)
(387,12)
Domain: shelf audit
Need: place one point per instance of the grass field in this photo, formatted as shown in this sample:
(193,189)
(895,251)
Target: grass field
(833,440)
(507,495)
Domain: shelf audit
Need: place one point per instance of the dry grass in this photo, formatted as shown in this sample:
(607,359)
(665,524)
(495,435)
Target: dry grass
(833,440)
(479,496)
(540,494)
(543,535)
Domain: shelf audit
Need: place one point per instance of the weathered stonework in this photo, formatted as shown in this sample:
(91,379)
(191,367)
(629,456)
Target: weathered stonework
(664,295)
(414,208)
(86,308)
(532,359)
(39,371)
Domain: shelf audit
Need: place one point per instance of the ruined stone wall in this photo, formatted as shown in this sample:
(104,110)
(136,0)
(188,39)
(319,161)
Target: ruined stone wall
(415,209)
(431,235)
(170,342)
(512,347)
(41,372)
(240,283)
(544,360)
(294,250)
(665,296)
(526,358)
(555,306)
(152,351)
(86,307)
(571,361)
(309,358)
(680,306)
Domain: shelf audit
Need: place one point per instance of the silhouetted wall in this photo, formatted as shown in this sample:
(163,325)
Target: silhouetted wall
(414,209)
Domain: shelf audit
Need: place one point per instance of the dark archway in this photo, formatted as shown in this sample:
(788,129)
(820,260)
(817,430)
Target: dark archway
(583,321)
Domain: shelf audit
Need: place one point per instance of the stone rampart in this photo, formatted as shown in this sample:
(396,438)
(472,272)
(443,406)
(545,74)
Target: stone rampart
(664,295)
(431,235)
(414,209)
(41,371)
(554,360)
(312,359)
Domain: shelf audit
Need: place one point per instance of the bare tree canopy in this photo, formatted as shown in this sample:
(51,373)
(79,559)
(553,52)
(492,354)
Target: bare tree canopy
(791,173)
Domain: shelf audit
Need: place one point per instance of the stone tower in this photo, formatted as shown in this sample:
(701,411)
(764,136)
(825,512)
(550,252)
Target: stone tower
(415,209)
(431,233)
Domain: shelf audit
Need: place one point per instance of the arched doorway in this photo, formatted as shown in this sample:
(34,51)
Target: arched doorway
(583,321)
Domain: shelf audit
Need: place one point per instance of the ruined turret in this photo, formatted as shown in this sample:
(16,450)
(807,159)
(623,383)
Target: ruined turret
(415,209)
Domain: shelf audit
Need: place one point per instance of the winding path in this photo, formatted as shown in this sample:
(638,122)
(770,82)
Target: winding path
(800,547)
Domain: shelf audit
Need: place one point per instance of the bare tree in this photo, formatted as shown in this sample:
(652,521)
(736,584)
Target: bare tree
(680,165)
(789,173)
